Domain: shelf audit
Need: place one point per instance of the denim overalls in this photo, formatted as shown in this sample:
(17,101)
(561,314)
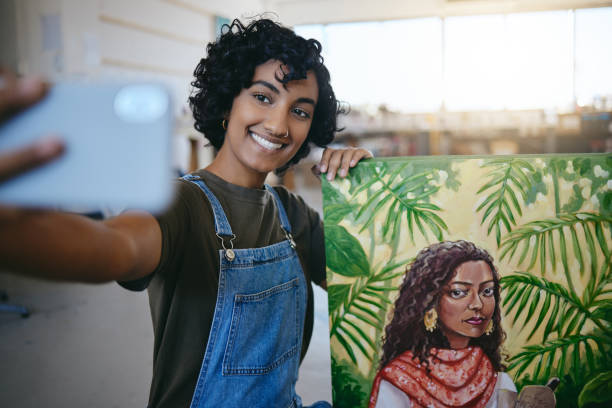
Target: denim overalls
(253,351)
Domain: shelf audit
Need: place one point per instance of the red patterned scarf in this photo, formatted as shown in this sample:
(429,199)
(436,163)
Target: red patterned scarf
(456,378)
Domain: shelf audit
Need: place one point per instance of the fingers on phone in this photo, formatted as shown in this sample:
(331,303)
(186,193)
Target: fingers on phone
(18,161)
(18,93)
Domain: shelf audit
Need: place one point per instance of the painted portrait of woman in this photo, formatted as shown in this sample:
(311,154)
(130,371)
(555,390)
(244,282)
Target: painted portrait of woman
(442,346)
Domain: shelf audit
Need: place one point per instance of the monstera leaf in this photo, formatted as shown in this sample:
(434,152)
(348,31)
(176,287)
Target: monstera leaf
(344,253)
(597,391)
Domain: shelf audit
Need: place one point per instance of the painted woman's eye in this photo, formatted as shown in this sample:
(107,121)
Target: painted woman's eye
(457,293)
(488,292)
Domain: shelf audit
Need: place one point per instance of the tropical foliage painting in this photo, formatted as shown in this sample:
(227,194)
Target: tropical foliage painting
(547,222)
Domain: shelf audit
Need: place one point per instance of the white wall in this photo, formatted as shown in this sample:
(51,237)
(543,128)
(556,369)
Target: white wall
(293,12)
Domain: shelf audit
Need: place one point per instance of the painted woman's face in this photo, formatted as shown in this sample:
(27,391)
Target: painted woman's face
(467,303)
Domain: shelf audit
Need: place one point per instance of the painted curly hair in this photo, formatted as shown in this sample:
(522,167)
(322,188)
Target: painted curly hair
(421,290)
(230,65)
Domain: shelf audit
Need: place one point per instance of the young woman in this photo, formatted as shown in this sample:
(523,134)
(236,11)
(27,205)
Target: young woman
(442,346)
(229,266)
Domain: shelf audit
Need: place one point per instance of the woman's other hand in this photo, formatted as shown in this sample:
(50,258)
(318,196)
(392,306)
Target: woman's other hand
(339,161)
(15,95)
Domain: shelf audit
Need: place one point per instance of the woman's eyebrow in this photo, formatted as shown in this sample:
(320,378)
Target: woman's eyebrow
(461,283)
(306,100)
(267,85)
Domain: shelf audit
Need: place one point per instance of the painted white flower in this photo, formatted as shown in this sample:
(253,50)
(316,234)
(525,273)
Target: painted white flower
(586,193)
(410,195)
(609,184)
(599,172)
(540,163)
(541,198)
(570,167)
(548,178)
(443,176)
(595,201)
(565,185)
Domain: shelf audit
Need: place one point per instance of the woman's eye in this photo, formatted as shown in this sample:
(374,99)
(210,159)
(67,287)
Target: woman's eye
(301,113)
(457,293)
(488,292)
(262,98)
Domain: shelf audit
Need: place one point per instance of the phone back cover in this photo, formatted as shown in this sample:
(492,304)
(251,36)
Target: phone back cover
(109,162)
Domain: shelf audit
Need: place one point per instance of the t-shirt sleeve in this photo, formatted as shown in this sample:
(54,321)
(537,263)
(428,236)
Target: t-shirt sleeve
(172,224)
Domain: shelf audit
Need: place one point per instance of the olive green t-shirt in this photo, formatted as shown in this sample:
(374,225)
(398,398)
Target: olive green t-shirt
(183,288)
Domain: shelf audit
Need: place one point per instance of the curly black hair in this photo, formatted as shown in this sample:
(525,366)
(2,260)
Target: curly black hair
(433,267)
(230,65)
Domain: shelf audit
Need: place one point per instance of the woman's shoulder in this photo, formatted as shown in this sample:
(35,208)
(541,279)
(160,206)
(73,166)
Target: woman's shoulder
(504,381)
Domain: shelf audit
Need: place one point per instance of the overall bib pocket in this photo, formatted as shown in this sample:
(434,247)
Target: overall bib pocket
(256,346)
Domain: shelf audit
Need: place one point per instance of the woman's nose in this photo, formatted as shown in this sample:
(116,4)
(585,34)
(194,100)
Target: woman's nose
(276,123)
(475,302)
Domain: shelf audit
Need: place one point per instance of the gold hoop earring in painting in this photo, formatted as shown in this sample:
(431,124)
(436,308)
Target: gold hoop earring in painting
(430,320)
(224,124)
(489,328)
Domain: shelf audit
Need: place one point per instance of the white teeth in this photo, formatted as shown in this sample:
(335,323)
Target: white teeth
(264,143)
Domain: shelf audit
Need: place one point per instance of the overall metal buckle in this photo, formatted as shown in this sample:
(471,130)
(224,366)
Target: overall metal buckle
(229,253)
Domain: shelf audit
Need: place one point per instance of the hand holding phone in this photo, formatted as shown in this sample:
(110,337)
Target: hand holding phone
(15,95)
(117,148)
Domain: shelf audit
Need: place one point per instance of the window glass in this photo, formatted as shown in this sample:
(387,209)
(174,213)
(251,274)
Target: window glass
(594,56)
(474,62)
(538,56)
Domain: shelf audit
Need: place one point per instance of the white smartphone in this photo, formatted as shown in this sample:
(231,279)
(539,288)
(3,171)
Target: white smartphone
(118,141)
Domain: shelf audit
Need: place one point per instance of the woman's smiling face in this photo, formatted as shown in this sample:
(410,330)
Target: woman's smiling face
(267,124)
(467,303)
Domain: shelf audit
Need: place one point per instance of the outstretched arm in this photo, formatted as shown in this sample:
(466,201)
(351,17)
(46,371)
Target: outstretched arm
(63,246)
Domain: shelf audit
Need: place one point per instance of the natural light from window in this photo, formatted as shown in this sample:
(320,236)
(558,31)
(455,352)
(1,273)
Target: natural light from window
(541,60)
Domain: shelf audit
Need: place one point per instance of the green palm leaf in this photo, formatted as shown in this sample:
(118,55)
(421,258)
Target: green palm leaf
(538,237)
(544,355)
(520,286)
(406,197)
(507,179)
(363,305)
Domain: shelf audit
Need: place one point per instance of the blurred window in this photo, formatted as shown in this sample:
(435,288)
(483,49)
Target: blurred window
(397,63)
(474,62)
(539,60)
(594,56)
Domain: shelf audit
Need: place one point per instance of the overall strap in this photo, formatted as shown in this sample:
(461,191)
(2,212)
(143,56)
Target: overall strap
(283,216)
(281,210)
(222,225)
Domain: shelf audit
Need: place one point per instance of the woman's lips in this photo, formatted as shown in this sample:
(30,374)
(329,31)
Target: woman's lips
(476,320)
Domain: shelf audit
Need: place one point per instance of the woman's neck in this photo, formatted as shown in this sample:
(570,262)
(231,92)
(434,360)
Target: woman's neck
(232,174)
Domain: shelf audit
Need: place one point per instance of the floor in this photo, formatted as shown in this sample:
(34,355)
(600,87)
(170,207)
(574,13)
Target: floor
(92,345)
